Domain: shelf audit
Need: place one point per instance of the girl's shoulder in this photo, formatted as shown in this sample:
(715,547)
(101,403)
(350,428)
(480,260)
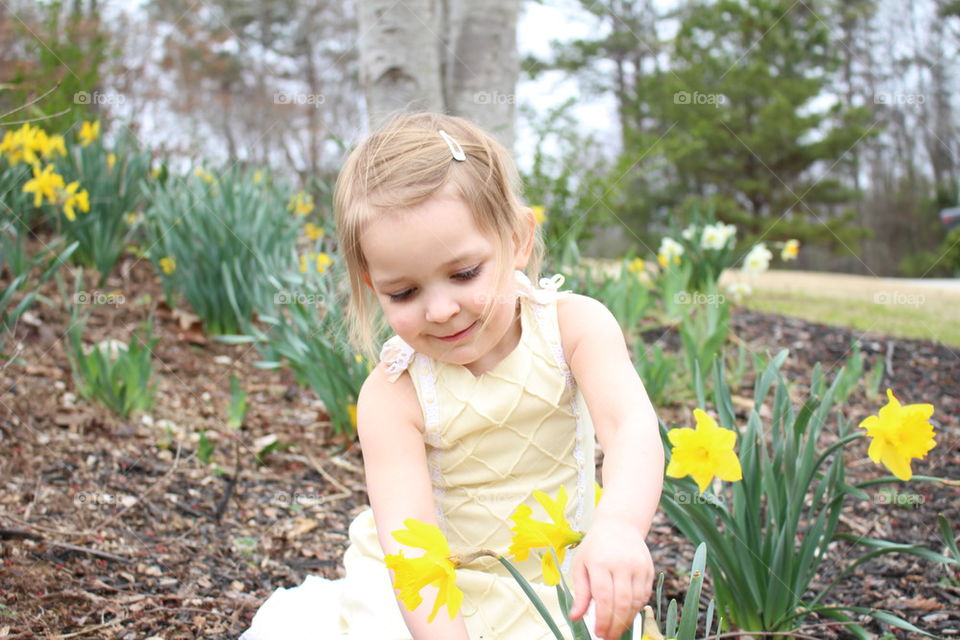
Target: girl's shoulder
(578,316)
(388,395)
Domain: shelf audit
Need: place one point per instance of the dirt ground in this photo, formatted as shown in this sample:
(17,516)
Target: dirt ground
(113,528)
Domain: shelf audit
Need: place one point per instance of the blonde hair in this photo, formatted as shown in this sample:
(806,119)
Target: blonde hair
(405,163)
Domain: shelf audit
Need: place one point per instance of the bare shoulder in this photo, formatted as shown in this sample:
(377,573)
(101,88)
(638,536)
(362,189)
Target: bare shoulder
(579,316)
(384,405)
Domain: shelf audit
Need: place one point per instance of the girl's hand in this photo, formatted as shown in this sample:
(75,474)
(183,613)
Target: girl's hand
(613,568)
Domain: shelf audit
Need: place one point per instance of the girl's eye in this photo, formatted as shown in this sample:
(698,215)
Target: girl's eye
(469,274)
(400,297)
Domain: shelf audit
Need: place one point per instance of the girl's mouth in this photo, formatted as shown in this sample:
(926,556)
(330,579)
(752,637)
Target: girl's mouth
(458,336)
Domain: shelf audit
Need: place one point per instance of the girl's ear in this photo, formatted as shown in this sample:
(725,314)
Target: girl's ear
(524,244)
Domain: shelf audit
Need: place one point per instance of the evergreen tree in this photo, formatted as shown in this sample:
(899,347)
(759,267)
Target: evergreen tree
(740,126)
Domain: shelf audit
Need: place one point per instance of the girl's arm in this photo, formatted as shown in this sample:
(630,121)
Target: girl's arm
(398,484)
(613,566)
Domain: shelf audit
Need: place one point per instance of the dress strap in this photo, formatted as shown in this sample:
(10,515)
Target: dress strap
(397,355)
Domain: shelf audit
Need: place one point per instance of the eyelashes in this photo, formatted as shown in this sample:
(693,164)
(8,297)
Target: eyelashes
(462,276)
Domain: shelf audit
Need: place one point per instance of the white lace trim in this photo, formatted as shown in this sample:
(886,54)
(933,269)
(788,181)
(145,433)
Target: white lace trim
(397,355)
(423,368)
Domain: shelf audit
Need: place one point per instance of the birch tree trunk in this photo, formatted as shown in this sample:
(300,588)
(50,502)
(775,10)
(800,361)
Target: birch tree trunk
(399,61)
(454,56)
(482,64)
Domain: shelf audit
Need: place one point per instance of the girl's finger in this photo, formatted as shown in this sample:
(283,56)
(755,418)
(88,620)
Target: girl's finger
(581,591)
(601,585)
(622,604)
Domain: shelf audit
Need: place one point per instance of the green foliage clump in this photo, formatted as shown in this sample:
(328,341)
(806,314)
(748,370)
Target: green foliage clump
(216,241)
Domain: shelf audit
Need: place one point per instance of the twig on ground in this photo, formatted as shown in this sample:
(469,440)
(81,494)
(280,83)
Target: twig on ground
(344,491)
(22,534)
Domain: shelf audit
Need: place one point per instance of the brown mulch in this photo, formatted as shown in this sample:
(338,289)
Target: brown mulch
(113,528)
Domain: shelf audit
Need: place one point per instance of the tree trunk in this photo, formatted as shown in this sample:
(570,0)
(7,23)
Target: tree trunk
(400,67)
(457,56)
(482,65)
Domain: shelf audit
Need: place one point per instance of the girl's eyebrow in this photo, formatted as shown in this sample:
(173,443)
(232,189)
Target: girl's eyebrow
(462,258)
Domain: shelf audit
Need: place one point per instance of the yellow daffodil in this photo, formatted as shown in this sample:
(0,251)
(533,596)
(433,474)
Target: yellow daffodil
(89,131)
(597,493)
(156,171)
(434,567)
(24,144)
(73,198)
(637,265)
(323,261)
(168,265)
(900,433)
(352,412)
(301,203)
(111,161)
(532,534)
(131,218)
(44,185)
(258,176)
(9,147)
(664,260)
(539,213)
(313,231)
(53,145)
(704,452)
(791,248)
(204,175)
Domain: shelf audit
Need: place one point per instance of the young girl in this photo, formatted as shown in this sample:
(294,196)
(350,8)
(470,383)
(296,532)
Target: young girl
(490,389)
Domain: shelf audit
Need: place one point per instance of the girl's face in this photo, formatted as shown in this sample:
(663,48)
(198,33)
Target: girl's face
(433,271)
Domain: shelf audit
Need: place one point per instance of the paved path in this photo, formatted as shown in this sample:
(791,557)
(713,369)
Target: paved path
(840,285)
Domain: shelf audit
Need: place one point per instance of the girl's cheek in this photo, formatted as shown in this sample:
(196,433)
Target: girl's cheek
(400,320)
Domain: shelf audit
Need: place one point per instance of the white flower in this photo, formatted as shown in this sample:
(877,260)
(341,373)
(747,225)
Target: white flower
(670,248)
(714,237)
(758,260)
(737,291)
(689,232)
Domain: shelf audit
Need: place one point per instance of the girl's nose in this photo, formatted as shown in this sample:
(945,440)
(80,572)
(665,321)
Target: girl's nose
(441,308)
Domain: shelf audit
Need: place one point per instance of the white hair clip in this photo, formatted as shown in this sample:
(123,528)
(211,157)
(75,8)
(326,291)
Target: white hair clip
(455,147)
